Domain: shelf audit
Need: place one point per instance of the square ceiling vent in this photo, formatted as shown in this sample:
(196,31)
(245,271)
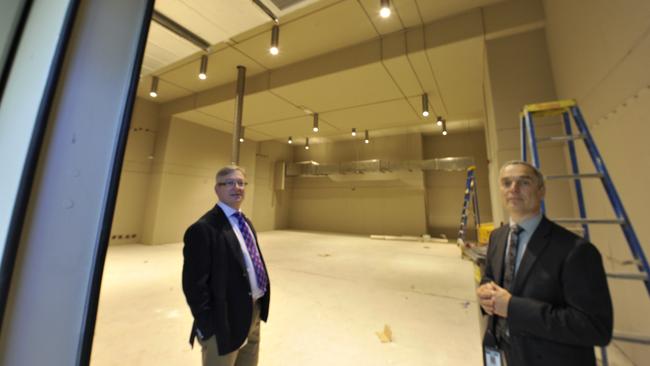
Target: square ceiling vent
(284,4)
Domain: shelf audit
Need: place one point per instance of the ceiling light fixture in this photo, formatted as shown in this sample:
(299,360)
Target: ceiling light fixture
(307,144)
(354,132)
(425,105)
(203,70)
(241,134)
(315,128)
(275,40)
(153,92)
(439,121)
(290,141)
(384,12)
(444,128)
(367,138)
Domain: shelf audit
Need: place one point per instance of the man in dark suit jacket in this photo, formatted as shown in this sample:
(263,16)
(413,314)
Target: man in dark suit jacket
(225,280)
(554,305)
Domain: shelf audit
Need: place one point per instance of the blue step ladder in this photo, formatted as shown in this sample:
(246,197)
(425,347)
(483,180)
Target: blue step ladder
(569,110)
(470,196)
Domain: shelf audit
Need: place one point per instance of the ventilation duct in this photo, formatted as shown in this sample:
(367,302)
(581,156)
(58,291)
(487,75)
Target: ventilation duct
(375,169)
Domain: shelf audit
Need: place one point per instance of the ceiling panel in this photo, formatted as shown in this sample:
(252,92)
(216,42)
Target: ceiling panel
(403,74)
(408,13)
(352,87)
(213,20)
(434,10)
(383,25)
(298,127)
(206,120)
(250,133)
(458,68)
(383,95)
(379,115)
(164,48)
(222,69)
(258,108)
(166,91)
(330,28)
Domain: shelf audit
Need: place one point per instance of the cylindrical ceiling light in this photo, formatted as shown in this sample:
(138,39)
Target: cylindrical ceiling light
(384,12)
(444,128)
(290,141)
(315,127)
(241,134)
(153,92)
(439,121)
(354,132)
(425,105)
(275,40)
(203,70)
(307,144)
(367,138)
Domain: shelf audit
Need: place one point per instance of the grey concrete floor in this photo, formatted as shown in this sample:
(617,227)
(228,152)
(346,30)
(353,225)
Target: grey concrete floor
(330,295)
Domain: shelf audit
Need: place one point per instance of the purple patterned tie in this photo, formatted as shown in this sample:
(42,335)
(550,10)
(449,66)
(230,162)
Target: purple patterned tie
(260,274)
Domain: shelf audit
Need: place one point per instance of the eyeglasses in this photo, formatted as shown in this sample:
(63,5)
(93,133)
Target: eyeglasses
(233,183)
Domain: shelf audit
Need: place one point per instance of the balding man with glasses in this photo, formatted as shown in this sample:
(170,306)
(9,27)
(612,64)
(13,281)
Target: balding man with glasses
(225,280)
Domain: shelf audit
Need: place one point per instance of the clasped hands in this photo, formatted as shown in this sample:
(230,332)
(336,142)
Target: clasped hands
(494,299)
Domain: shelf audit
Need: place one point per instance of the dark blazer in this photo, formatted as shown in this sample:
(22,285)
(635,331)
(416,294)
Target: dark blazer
(560,306)
(216,284)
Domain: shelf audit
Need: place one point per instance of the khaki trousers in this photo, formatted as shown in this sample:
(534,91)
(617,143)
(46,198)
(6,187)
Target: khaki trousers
(247,355)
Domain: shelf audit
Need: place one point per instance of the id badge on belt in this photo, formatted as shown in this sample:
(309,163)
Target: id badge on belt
(493,357)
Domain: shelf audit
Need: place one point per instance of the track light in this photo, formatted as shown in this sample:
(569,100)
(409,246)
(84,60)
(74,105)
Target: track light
(444,128)
(290,141)
(307,144)
(367,138)
(425,105)
(241,134)
(384,12)
(203,70)
(439,121)
(153,92)
(315,128)
(354,132)
(275,39)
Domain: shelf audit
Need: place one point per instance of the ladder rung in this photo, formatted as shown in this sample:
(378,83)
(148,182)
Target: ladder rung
(631,337)
(627,276)
(560,138)
(574,176)
(590,221)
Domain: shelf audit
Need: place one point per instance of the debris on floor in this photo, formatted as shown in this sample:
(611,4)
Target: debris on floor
(424,238)
(324,255)
(385,336)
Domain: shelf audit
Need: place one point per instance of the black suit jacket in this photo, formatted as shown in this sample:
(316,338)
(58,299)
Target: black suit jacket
(560,306)
(216,284)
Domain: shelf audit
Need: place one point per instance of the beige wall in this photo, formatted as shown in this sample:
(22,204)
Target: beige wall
(520,73)
(600,57)
(445,189)
(187,158)
(271,204)
(389,207)
(136,172)
(168,178)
